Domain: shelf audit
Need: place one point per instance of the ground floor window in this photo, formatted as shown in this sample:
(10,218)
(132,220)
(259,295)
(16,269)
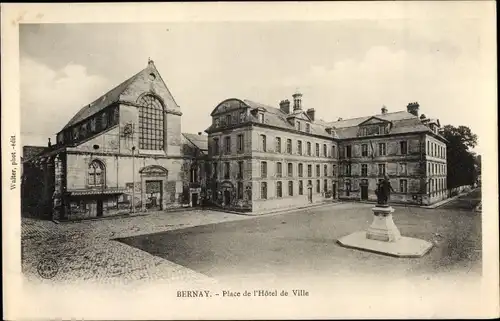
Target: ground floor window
(318,186)
(279,189)
(301,188)
(403,186)
(290,188)
(239,186)
(263,190)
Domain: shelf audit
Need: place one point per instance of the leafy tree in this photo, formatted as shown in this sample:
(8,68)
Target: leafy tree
(460,159)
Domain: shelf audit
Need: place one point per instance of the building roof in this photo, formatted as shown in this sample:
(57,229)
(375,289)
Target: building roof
(102,102)
(199,141)
(32,151)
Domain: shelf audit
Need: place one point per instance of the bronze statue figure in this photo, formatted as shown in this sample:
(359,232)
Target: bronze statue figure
(383,191)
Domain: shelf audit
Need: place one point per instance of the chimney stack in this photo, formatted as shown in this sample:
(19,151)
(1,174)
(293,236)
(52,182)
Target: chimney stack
(285,106)
(297,101)
(310,113)
(340,118)
(384,110)
(412,108)
(199,133)
(49,144)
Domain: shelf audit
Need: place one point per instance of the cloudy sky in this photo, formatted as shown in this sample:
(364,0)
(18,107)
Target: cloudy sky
(344,69)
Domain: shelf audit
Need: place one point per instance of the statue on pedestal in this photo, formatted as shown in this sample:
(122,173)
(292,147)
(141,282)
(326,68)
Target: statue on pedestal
(383,191)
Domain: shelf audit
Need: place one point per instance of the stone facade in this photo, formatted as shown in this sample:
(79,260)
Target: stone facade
(287,158)
(122,153)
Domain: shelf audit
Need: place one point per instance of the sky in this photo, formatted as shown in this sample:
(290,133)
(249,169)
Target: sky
(345,68)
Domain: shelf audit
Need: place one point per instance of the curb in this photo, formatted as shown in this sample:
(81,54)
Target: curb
(284,210)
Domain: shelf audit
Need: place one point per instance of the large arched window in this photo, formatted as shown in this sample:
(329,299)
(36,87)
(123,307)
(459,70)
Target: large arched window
(96,173)
(150,123)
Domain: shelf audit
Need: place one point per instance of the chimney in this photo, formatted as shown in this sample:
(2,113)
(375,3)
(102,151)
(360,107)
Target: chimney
(384,110)
(422,117)
(49,144)
(297,101)
(340,118)
(150,62)
(412,108)
(285,106)
(199,133)
(310,113)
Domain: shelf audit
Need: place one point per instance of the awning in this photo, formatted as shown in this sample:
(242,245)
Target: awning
(106,191)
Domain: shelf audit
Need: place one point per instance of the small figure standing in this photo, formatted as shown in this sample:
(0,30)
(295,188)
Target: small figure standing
(383,191)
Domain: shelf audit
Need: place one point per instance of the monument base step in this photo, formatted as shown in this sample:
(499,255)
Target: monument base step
(403,247)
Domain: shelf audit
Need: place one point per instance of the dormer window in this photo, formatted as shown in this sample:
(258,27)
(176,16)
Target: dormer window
(364,131)
(383,130)
(261,118)
(216,122)
(228,120)
(242,116)
(298,125)
(308,127)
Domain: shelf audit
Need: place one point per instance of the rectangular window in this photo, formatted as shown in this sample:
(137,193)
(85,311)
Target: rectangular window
(298,125)
(308,127)
(226,170)
(325,185)
(317,150)
(290,169)
(261,118)
(278,145)
(383,130)
(402,169)
(309,170)
(301,170)
(364,170)
(318,186)
(240,143)
(263,190)
(325,151)
(279,169)
(240,190)
(348,169)
(381,169)
(263,169)
(227,144)
(301,188)
(364,150)
(216,146)
(279,189)
(403,186)
(308,148)
(364,131)
(325,170)
(333,151)
(290,188)
(333,170)
(240,170)
(242,117)
(381,149)
(318,168)
(404,148)
(215,172)
(228,120)
(289,146)
(428,148)
(348,151)
(299,147)
(263,143)
(216,122)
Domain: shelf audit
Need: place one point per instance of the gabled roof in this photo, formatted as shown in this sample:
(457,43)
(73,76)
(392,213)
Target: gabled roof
(199,141)
(374,120)
(102,102)
(120,93)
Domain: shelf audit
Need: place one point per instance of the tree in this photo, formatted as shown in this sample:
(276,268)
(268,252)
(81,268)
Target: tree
(460,159)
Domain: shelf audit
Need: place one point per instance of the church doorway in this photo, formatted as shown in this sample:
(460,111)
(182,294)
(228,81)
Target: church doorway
(154,194)
(227,197)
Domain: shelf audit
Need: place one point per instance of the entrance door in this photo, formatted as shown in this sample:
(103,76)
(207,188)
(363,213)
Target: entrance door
(364,192)
(99,208)
(194,199)
(227,197)
(154,194)
(334,191)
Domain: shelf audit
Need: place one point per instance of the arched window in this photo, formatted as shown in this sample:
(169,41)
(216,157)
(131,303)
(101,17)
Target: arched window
(96,173)
(150,123)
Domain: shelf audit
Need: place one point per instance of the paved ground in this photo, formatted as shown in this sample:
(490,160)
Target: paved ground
(160,246)
(304,242)
(466,202)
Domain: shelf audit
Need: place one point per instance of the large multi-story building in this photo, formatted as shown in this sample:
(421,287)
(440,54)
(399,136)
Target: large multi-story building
(265,157)
(123,152)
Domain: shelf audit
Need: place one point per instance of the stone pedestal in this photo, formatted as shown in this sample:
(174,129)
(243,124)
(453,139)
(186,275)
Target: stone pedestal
(383,237)
(383,227)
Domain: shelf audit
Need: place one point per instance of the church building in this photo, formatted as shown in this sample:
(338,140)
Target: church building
(122,153)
